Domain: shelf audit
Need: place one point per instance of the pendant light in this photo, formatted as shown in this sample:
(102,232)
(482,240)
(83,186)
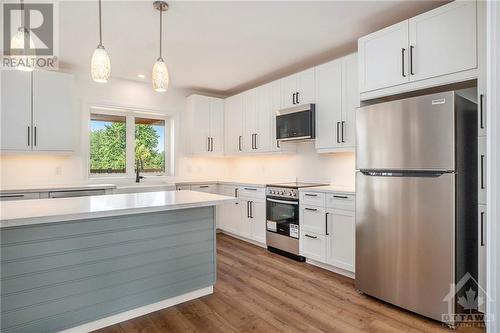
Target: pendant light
(100,66)
(160,71)
(22,36)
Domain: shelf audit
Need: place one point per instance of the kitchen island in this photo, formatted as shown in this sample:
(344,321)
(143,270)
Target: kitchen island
(79,264)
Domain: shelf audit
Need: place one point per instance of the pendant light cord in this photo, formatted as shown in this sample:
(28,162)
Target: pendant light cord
(22,13)
(161,14)
(100,25)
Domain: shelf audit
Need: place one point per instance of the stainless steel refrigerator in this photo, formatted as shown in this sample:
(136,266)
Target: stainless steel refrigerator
(416,201)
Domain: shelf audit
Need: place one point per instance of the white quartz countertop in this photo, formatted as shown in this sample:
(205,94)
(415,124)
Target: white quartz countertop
(330,189)
(223,182)
(60,187)
(28,212)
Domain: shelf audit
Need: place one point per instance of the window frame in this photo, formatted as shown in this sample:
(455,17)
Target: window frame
(130,115)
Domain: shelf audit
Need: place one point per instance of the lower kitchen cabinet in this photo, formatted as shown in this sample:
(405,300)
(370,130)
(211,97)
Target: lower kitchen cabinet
(328,229)
(246,217)
(340,238)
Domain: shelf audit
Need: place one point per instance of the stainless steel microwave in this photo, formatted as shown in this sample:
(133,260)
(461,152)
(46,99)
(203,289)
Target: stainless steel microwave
(296,123)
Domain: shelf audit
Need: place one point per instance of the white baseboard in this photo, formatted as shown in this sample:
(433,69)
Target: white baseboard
(331,268)
(124,316)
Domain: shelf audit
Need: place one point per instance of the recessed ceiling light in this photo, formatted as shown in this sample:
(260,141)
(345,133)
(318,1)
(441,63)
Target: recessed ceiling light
(141,76)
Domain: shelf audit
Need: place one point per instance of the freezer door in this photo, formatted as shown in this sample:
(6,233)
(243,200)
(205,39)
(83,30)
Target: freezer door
(405,240)
(413,134)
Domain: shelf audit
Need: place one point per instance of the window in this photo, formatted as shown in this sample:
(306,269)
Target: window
(107,144)
(119,140)
(150,144)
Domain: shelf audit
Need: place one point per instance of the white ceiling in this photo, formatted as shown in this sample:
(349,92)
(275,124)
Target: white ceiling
(227,46)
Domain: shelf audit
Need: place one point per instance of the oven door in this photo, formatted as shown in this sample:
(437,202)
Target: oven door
(282,216)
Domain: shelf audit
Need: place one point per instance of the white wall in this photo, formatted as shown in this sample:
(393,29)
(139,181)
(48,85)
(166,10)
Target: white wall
(41,169)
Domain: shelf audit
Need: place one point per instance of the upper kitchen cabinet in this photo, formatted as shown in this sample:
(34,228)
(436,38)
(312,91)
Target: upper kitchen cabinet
(53,108)
(432,49)
(233,124)
(37,111)
(206,120)
(337,98)
(382,58)
(443,41)
(298,89)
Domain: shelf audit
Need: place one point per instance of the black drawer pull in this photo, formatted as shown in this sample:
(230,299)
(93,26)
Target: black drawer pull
(341,196)
(250,189)
(313,237)
(311,209)
(310,195)
(482,228)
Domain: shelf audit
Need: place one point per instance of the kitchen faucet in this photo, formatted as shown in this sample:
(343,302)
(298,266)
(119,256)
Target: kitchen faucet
(138,166)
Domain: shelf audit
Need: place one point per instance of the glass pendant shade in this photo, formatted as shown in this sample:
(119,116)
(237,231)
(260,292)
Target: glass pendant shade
(25,63)
(160,76)
(100,65)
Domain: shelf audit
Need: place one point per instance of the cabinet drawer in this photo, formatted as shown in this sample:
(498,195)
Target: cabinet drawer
(340,201)
(313,246)
(312,199)
(313,219)
(19,196)
(251,192)
(209,188)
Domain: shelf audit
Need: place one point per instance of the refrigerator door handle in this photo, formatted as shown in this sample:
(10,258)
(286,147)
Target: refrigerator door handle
(398,173)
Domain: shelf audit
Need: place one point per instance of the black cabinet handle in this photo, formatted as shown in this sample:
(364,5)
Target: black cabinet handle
(326,223)
(403,50)
(482,228)
(250,189)
(255,140)
(342,127)
(35,136)
(28,136)
(236,192)
(313,237)
(208,143)
(481,111)
(482,172)
(341,196)
(204,186)
(297,98)
(239,143)
(251,209)
(411,60)
(338,123)
(293,98)
(211,144)
(310,195)
(248,209)
(311,209)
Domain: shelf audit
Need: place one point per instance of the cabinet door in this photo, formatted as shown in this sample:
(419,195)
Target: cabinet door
(249,120)
(15,113)
(481,65)
(306,86)
(443,40)
(312,219)
(288,90)
(482,250)
(350,100)
(217,125)
(200,127)
(481,168)
(383,58)
(244,223)
(258,221)
(53,111)
(328,104)
(233,124)
(233,218)
(263,110)
(341,239)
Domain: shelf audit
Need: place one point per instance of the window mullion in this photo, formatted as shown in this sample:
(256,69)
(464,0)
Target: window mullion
(130,137)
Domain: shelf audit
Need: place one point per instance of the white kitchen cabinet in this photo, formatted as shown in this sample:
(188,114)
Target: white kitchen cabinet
(298,89)
(233,124)
(337,98)
(340,239)
(15,115)
(257,221)
(443,41)
(432,49)
(206,125)
(482,251)
(481,167)
(229,213)
(382,58)
(37,111)
(481,65)
(313,246)
(53,111)
(312,219)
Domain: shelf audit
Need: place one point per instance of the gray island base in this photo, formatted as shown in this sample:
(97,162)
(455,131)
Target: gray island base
(84,274)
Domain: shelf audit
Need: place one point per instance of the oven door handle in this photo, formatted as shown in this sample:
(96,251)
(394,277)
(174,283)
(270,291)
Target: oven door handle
(283,201)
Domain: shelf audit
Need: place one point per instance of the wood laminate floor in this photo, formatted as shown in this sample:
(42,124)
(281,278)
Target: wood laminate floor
(257,291)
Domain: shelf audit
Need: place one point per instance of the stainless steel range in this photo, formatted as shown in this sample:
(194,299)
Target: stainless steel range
(282,214)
